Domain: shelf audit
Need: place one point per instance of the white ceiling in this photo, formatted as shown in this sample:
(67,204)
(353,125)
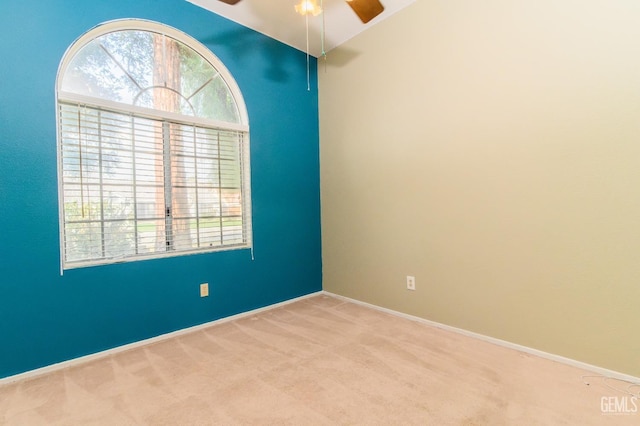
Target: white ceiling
(279,20)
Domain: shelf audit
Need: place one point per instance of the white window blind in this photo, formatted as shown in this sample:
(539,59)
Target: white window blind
(136,187)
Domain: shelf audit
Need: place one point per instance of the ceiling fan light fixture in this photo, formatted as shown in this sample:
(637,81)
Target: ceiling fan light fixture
(306,7)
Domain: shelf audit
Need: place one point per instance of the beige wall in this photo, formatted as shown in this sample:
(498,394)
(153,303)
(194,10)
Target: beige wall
(491,149)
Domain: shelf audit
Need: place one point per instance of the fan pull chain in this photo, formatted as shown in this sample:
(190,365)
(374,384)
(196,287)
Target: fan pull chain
(306,17)
(322,37)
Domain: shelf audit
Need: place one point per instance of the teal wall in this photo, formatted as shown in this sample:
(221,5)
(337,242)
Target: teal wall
(46,318)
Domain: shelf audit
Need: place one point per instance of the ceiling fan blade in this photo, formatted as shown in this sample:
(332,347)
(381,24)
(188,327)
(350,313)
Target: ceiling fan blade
(366,9)
(231,2)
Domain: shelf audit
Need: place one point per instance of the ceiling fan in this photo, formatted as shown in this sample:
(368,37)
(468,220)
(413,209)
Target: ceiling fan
(365,9)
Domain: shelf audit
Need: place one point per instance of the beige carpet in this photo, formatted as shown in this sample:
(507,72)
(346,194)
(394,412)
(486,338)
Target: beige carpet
(317,361)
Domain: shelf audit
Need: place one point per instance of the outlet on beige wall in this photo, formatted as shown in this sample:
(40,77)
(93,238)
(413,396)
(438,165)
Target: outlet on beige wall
(493,150)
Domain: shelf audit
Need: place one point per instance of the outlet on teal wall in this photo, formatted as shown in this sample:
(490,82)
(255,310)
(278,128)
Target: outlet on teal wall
(47,318)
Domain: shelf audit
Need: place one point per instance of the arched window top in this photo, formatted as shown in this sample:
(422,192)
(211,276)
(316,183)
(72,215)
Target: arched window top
(149,65)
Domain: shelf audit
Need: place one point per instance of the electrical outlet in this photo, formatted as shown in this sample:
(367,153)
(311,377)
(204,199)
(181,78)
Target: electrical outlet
(411,282)
(204,289)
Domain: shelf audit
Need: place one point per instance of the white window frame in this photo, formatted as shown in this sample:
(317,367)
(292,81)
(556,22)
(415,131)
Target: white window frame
(63,97)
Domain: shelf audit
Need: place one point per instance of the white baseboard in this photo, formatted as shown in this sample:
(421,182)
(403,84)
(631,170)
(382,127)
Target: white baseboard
(84,359)
(87,358)
(563,360)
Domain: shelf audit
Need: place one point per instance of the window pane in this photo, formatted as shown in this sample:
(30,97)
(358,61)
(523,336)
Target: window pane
(150,202)
(223,106)
(232,231)
(151,236)
(83,241)
(119,239)
(150,70)
(119,202)
(209,202)
(185,234)
(99,70)
(210,232)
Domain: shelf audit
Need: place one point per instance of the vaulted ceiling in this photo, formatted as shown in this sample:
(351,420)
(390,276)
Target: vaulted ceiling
(279,20)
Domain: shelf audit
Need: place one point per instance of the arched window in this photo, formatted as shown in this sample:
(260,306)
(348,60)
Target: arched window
(153,147)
